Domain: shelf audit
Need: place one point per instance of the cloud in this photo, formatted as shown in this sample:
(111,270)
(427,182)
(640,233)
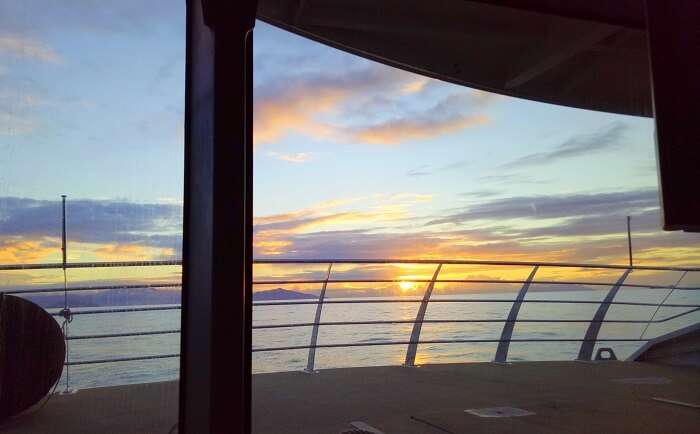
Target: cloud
(334,106)
(606,138)
(422,170)
(415,86)
(452,113)
(511,178)
(17,250)
(427,169)
(455,165)
(133,252)
(130,17)
(400,130)
(31,49)
(299,157)
(579,227)
(557,206)
(292,104)
(94,221)
(481,194)
(280,233)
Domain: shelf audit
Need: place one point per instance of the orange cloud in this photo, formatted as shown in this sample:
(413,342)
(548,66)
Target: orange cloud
(270,247)
(393,132)
(20,251)
(415,86)
(294,111)
(303,106)
(113,252)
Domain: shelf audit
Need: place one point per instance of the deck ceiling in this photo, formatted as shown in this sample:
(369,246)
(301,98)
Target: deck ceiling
(585,54)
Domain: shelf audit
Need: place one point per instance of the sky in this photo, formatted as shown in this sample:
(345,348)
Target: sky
(353,159)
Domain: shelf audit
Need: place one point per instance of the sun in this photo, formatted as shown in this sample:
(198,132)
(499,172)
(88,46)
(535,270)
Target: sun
(407,286)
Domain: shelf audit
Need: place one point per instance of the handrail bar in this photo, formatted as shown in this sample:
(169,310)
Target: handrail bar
(57,265)
(440,341)
(503,282)
(483,300)
(477,320)
(122,335)
(121,310)
(91,288)
(351,344)
(105,264)
(408,321)
(121,359)
(469,300)
(473,262)
(301,282)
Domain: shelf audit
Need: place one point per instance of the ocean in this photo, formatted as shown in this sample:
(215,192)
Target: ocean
(116,373)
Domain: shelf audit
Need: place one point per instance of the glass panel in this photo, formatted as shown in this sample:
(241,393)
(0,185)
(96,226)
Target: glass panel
(380,187)
(91,107)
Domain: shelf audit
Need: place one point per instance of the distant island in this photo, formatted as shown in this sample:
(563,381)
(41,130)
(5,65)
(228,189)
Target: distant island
(281,294)
(108,297)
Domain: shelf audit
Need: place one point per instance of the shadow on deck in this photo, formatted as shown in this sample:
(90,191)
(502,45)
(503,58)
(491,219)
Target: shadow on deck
(566,397)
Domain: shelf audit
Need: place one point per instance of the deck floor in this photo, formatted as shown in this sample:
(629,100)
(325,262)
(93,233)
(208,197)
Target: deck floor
(566,397)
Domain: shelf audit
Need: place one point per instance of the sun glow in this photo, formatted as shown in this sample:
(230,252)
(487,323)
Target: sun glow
(407,286)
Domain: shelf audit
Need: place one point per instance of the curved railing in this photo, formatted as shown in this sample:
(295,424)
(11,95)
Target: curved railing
(587,343)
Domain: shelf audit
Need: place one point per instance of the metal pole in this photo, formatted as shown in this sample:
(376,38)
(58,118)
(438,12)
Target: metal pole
(509,325)
(589,341)
(65,313)
(415,334)
(311,360)
(629,239)
(63,230)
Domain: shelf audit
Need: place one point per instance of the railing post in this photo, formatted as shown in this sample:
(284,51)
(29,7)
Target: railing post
(311,360)
(509,325)
(415,334)
(65,312)
(586,350)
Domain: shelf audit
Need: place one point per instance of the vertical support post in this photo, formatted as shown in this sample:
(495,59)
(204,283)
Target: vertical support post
(589,341)
(415,334)
(674,41)
(65,312)
(629,239)
(215,371)
(507,333)
(63,229)
(311,360)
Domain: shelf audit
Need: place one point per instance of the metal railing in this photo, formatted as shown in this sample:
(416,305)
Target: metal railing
(587,343)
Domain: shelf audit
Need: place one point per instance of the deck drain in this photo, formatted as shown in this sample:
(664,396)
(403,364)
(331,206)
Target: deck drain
(499,412)
(643,380)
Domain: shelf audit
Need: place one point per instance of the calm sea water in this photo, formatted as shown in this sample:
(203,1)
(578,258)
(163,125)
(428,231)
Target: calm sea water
(104,374)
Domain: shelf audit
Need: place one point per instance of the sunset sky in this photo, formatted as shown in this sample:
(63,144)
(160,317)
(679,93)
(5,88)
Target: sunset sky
(353,159)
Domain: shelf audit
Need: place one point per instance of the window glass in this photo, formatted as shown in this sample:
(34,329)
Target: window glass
(91,107)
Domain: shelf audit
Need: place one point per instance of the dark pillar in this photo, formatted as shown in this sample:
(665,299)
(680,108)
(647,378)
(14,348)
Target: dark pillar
(674,50)
(217,249)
